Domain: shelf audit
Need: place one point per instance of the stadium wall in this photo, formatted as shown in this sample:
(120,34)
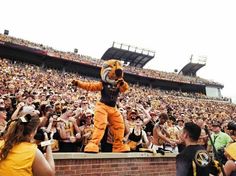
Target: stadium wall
(111,164)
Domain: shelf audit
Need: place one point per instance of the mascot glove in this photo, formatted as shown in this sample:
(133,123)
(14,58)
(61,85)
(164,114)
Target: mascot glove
(120,82)
(75,83)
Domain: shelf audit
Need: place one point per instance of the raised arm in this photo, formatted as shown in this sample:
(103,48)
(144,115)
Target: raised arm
(16,112)
(146,113)
(145,139)
(44,165)
(90,86)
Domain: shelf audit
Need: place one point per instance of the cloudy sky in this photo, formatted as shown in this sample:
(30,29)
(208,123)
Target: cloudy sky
(175,29)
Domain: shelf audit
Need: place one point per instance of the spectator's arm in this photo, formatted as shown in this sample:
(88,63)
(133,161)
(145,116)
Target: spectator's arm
(229,167)
(79,133)
(61,130)
(48,129)
(164,138)
(145,139)
(43,166)
(74,121)
(78,113)
(87,135)
(146,112)
(16,112)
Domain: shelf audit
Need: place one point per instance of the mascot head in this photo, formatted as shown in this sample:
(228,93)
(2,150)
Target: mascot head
(111,71)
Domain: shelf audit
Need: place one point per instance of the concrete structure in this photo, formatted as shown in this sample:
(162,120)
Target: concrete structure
(131,55)
(119,164)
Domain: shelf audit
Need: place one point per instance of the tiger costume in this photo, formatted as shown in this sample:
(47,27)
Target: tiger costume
(111,84)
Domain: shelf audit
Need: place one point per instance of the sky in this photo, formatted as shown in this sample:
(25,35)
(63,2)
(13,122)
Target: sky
(174,29)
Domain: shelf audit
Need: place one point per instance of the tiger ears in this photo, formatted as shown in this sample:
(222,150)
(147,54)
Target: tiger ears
(118,64)
(111,63)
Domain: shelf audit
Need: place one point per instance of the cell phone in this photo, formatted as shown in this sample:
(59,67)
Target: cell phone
(46,143)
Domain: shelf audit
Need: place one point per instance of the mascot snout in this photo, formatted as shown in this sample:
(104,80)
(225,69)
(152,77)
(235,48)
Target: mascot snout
(119,73)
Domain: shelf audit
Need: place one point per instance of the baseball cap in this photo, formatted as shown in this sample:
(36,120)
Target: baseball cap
(216,124)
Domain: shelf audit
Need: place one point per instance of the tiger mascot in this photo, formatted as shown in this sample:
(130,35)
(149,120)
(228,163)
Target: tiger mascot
(111,84)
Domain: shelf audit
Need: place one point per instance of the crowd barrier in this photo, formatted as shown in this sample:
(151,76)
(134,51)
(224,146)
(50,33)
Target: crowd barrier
(111,164)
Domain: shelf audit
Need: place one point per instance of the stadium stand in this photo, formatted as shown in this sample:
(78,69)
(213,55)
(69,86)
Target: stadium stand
(44,85)
(49,51)
(37,79)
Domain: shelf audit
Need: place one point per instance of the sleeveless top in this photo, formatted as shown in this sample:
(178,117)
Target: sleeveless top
(19,160)
(134,137)
(149,127)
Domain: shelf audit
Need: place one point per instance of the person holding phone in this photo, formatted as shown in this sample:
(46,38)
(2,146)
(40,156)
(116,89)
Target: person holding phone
(19,154)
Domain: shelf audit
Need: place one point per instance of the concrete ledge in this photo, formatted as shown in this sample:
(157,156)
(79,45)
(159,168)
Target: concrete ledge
(64,156)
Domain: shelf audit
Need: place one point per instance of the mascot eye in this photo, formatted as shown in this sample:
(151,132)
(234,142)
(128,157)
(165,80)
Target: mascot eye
(105,65)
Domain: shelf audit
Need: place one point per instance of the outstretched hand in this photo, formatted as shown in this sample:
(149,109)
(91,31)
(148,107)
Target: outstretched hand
(74,83)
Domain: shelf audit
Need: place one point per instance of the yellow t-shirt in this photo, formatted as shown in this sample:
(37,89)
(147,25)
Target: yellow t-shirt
(19,160)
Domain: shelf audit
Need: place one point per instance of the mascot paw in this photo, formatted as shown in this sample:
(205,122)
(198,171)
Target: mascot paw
(91,148)
(123,148)
(75,83)
(120,82)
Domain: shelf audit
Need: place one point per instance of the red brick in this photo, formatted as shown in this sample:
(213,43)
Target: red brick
(117,167)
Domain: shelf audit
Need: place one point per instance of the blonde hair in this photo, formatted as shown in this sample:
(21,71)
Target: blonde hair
(18,131)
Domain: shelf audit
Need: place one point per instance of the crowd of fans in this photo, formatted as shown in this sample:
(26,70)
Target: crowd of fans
(67,112)
(97,62)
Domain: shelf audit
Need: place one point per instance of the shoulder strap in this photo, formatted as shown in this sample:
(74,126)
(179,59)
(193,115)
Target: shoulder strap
(194,168)
(214,140)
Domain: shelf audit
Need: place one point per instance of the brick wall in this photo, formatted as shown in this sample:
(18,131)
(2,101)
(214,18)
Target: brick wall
(108,165)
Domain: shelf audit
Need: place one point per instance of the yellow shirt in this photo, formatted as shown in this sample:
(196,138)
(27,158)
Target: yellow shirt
(19,160)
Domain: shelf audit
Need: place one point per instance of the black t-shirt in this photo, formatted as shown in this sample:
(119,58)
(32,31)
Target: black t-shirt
(149,127)
(134,137)
(186,162)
